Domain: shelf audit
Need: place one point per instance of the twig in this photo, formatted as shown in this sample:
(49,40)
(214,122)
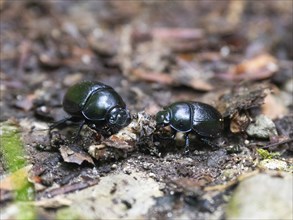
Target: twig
(278,143)
(223,187)
(70,188)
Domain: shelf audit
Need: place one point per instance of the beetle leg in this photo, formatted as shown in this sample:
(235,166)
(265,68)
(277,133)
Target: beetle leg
(62,122)
(80,127)
(59,123)
(82,123)
(209,142)
(186,147)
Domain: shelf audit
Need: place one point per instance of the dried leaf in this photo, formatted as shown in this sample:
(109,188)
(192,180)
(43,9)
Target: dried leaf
(239,122)
(120,142)
(274,107)
(15,180)
(162,78)
(125,141)
(193,82)
(99,152)
(192,75)
(260,67)
(72,155)
(179,34)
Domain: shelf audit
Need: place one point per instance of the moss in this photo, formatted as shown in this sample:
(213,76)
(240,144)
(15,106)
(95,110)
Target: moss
(11,147)
(12,153)
(264,154)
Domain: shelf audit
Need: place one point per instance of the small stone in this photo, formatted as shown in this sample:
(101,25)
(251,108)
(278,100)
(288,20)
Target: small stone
(127,171)
(114,166)
(146,166)
(152,175)
(106,200)
(273,164)
(263,127)
(262,197)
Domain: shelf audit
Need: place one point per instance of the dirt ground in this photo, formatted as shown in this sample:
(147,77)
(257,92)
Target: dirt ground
(234,55)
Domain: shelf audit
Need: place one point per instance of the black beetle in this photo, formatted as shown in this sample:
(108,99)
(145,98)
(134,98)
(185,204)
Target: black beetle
(201,118)
(97,105)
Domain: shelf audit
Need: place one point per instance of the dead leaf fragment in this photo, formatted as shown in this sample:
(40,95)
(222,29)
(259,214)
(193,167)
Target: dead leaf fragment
(119,142)
(16,180)
(260,67)
(77,156)
(98,151)
(167,34)
(124,139)
(193,82)
(239,122)
(157,77)
(192,75)
(273,107)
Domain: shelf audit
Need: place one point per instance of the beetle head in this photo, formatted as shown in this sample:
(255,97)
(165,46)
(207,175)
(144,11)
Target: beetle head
(162,118)
(119,118)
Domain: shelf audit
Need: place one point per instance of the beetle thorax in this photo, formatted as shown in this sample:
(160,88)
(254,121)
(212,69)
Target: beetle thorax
(181,115)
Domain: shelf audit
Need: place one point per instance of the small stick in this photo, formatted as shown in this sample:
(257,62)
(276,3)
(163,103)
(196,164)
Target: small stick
(70,188)
(223,187)
(278,143)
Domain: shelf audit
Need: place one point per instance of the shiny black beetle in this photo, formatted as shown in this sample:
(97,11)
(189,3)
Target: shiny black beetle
(97,105)
(200,118)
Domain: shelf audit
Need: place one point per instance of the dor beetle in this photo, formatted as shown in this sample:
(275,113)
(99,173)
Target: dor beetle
(97,105)
(200,118)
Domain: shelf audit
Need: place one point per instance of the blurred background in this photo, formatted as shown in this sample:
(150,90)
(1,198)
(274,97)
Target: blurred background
(160,45)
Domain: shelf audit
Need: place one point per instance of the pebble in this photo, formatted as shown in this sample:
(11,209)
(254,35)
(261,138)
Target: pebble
(152,175)
(262,197)
(114,166)
(273,164)
(263,127)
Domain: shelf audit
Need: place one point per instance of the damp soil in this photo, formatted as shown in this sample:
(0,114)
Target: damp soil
(234,55)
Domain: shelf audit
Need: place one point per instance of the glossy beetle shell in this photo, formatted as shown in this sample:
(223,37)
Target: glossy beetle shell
(97,105)
(91,100)
(199,117)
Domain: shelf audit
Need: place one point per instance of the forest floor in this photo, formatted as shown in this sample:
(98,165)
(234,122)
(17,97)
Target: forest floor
(234,55)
